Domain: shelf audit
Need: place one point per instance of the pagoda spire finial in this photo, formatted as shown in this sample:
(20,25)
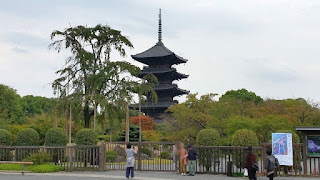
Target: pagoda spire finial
(160,28)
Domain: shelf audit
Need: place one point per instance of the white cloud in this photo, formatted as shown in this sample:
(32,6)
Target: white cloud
(267,46)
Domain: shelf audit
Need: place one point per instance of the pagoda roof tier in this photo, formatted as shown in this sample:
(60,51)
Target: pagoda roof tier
(158,105)
(170,87)
(158,55)
(163,71)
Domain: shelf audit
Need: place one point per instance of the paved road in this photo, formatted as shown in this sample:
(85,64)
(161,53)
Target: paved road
(116,175)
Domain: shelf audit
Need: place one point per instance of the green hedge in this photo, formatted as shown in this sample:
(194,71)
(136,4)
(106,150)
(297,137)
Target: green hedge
(44,168)
(38,158)
(27,137)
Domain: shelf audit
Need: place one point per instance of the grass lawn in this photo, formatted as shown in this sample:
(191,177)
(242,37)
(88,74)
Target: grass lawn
(43,168)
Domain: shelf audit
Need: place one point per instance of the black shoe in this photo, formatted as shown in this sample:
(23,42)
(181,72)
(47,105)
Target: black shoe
(190,175)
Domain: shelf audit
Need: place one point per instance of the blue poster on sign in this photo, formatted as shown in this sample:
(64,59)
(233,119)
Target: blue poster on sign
(282,148)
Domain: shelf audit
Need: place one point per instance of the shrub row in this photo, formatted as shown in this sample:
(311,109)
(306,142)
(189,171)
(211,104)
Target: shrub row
(53,137)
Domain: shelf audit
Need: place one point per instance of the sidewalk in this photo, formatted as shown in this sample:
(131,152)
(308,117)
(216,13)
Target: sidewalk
(116,175)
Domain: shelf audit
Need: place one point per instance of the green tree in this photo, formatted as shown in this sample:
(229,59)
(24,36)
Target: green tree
(35,105)
(188,118)
(263,126)
(5,137)
(133,134)
(10,108)
(241,95)
(89,72)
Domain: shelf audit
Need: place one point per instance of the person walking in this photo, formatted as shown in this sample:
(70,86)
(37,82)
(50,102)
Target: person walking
(130,160)
(270,164)
(250,159)
(192,157)
(183,153)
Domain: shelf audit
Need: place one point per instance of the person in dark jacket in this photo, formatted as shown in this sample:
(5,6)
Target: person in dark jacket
(250,159)
(192,157)
(270,164)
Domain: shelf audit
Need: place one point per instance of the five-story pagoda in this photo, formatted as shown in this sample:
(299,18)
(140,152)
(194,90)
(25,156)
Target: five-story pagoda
(160,60)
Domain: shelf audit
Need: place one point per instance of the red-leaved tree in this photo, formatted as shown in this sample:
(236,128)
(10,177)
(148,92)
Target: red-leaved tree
(147,122)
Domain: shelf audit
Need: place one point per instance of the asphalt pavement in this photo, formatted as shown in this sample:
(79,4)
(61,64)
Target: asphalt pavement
(116,175)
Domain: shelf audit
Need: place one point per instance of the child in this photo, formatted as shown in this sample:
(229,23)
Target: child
(130,160)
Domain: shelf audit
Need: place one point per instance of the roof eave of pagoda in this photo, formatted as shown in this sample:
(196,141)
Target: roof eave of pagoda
(173,71)
(181,91)
(174,59)
(147,105)
(159,51)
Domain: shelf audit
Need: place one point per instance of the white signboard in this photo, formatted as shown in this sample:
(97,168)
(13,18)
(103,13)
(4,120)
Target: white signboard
(282,148)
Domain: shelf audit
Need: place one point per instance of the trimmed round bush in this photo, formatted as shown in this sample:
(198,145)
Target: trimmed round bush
(56,137)
(295,137)
(5,137)
(27,137)
(86,137)
(208,137)
(244,137)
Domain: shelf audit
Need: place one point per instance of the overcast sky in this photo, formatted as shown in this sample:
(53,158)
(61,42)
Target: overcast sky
(270,47)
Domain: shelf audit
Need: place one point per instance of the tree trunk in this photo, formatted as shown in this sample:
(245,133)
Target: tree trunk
(87,115)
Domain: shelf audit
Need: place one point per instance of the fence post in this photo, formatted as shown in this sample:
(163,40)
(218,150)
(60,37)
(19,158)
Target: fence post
(15,154)
(102,156)
(139,156)
(263,155)
(70,148)
(304,150)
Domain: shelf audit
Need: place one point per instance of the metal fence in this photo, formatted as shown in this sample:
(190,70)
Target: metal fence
(68,157)
(158,156)
(154,156)
(215,159)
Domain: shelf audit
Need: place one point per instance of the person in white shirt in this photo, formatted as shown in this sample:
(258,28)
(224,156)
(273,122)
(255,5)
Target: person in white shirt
(130,160)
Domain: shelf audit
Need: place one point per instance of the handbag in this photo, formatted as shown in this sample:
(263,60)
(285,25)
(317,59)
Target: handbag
(245,172)
(269,173)
(254,166)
